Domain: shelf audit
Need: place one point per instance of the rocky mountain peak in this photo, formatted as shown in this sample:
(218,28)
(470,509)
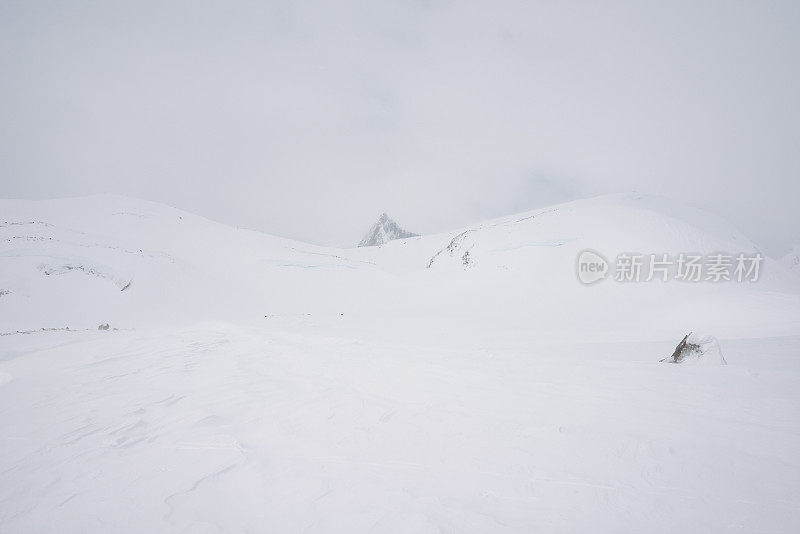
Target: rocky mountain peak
(383,231)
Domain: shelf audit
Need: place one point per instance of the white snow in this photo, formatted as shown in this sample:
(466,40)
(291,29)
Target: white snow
(792,259)
(259,384)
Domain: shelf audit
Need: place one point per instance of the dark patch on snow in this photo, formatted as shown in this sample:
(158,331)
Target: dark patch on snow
(684,349)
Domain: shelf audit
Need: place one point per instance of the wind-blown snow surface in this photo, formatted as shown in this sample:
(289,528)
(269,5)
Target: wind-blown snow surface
(259,384)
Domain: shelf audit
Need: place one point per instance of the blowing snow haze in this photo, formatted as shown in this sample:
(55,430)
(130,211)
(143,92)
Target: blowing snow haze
(302,119)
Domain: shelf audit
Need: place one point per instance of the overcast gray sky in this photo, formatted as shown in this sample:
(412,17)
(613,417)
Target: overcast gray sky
(308,119)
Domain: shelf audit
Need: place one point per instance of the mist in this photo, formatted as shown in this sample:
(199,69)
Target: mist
(308,121)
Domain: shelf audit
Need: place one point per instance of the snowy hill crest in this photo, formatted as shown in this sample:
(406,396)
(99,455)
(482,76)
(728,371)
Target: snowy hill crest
(383,231)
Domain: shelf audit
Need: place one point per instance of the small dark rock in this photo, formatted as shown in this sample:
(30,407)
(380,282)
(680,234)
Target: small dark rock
(683,349)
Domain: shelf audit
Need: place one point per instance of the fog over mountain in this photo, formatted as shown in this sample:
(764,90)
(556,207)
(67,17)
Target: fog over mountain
(279,115)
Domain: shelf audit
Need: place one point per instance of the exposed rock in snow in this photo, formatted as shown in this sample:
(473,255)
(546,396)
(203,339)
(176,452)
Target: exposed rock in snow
(383,231)
(121,281)
(452,247)
(697,348)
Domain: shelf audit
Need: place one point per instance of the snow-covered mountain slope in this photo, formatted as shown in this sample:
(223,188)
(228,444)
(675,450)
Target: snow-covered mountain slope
(78,263)
(383,231)
(459,382)
(85,261)
(610,224)
(521,270)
